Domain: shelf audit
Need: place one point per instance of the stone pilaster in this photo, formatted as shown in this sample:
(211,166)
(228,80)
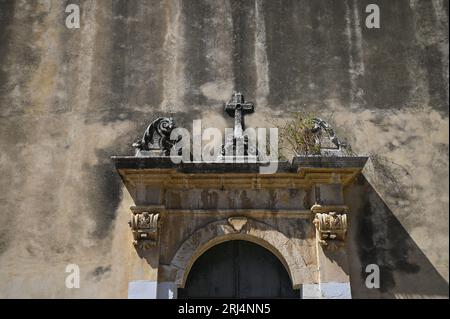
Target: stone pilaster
(330,221)
(145,225)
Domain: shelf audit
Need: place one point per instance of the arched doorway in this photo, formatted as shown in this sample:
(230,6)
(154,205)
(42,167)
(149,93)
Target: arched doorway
(238,269)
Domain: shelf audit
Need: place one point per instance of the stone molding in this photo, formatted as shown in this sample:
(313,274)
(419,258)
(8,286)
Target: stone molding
(316,208)
(297,263)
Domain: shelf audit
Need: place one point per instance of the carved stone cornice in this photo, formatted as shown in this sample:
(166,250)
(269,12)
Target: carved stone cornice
(331,226)
(302,173)
(144,226)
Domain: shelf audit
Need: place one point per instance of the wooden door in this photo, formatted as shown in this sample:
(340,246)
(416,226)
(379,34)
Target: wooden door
(238,269)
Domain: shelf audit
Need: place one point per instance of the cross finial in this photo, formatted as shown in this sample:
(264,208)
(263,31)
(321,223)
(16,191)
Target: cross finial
(237,144)
(236,108)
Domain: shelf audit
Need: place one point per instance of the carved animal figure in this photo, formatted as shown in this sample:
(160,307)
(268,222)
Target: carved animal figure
(157,135)
(320,125)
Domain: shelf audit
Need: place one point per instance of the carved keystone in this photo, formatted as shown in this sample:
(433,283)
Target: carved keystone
(237,222)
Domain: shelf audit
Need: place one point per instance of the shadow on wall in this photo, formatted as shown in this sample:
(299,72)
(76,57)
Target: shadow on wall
(103,189)
(377,237)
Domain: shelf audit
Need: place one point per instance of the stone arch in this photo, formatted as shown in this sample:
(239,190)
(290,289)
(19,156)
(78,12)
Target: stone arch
(286,249)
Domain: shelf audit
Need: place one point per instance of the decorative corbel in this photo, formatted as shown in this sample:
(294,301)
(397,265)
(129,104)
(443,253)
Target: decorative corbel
(144,226)
(331,226)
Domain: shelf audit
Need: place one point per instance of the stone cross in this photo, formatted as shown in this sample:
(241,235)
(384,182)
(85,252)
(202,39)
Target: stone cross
(237,108)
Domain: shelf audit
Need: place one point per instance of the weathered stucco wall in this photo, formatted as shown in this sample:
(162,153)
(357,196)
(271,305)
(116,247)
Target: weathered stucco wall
(71,98)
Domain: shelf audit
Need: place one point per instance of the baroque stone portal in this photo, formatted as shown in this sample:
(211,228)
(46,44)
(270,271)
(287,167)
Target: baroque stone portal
(181,210)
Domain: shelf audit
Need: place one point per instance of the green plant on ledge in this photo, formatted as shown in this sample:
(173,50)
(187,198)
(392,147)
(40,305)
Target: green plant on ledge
(297,135)
(306,135)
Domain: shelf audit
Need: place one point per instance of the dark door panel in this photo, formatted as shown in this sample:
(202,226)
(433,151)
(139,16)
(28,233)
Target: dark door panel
(238,269)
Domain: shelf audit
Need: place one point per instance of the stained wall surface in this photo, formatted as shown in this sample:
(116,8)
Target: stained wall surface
(69,99)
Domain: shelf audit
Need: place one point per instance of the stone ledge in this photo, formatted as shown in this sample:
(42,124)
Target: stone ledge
(329,161)
(298,163)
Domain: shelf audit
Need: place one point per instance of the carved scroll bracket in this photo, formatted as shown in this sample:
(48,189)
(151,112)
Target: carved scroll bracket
(331,226)
(144,226)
